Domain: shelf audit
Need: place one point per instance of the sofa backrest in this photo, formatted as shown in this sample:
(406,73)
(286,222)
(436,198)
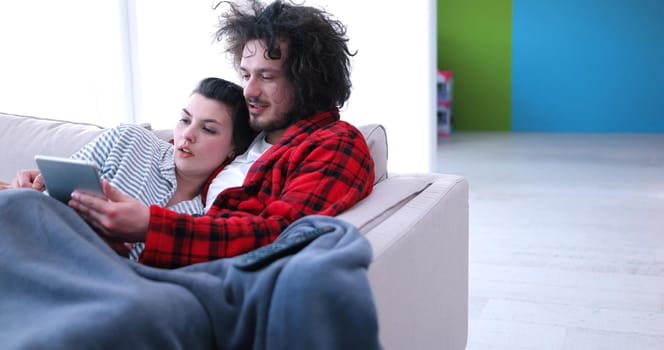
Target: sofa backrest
(377,140)
(23,137)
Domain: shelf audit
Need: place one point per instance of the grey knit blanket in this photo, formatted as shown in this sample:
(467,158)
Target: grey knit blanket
(61,287)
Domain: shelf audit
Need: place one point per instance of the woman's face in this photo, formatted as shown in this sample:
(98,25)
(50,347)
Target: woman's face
(202,137)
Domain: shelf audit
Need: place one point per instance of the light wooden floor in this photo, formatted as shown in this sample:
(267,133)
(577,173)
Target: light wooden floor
(566,239)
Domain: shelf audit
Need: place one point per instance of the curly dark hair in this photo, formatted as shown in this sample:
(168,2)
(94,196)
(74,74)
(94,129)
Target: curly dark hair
(231,95)
(318,61)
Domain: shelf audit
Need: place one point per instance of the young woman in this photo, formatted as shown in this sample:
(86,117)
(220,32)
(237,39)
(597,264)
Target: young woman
(211,130)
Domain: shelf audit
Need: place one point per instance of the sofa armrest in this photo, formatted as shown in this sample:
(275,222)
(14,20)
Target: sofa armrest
(418,228)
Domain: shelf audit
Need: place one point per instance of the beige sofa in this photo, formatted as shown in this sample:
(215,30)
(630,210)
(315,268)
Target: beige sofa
(417,225)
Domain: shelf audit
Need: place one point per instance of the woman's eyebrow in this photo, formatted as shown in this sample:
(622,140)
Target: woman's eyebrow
(205,120)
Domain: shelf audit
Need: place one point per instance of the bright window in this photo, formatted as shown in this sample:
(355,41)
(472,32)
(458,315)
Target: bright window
(64,60)
(112,61)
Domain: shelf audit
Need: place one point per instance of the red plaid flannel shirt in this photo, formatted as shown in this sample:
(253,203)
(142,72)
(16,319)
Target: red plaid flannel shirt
(321,165)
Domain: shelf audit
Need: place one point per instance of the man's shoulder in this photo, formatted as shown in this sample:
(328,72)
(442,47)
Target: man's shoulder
(339,128)
(339,136)
(325,130)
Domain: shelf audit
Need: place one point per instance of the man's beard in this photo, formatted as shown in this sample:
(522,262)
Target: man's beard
(282,122)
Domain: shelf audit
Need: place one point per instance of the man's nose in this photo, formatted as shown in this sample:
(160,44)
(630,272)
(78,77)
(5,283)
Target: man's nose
(251,88)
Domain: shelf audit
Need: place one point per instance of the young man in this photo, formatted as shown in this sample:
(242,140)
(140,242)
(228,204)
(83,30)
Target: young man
(295,67)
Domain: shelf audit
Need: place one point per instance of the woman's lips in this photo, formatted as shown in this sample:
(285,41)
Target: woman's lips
(184,152)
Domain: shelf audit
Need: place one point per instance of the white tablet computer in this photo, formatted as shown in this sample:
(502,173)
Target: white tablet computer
(64,175)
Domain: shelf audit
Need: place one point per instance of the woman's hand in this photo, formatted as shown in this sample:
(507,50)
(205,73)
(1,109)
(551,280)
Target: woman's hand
(29,179)
(117,218)
(5,185)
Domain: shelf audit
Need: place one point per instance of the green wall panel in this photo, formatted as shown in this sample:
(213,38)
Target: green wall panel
(475,43)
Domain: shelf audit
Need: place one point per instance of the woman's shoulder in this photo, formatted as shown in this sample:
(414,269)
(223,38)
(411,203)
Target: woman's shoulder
(135,132)
(132,128)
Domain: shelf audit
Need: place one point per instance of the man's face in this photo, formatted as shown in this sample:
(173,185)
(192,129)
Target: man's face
(268,91)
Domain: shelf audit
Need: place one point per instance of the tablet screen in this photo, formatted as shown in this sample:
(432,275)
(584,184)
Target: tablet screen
(64,175)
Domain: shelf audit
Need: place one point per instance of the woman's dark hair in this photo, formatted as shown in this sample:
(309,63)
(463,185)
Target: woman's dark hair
(231,95)
(318,62)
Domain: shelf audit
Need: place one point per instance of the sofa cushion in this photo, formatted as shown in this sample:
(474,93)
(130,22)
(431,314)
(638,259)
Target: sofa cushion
(22,137)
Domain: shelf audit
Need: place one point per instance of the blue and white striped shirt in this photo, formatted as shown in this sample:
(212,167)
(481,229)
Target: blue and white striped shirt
(134,160)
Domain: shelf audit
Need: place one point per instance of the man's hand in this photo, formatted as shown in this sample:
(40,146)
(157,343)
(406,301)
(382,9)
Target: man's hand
(120,248)
(117,218)
(29,179)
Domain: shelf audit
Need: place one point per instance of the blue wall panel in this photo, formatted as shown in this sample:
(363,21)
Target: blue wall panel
(588,65)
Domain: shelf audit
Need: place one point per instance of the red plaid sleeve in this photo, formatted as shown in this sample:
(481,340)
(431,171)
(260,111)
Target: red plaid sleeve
(323,170)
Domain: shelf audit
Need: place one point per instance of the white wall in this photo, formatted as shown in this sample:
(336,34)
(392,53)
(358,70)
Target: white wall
(123,59)
(174,49)
(393,72)
(394,75)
